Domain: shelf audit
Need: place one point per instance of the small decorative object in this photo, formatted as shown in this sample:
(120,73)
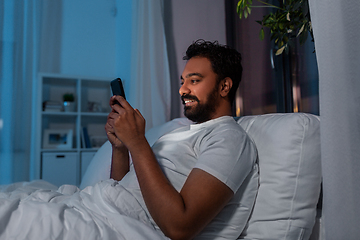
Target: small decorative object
(69,104)
(94,106)
(58,138)
(290,20)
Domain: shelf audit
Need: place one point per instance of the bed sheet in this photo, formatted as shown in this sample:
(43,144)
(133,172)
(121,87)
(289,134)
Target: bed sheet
(39,210)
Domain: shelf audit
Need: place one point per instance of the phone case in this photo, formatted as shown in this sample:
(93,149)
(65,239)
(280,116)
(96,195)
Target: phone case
(117,87)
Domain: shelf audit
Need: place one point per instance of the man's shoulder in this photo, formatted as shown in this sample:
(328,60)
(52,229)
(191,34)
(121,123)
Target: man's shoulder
(224,130)
(227,124)
(156,132)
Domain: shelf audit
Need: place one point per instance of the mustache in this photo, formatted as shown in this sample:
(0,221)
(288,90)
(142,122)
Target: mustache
(188,97)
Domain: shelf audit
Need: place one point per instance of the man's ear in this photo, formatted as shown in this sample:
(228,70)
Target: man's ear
(225,86)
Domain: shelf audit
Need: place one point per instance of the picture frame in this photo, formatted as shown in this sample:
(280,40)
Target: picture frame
(58,139)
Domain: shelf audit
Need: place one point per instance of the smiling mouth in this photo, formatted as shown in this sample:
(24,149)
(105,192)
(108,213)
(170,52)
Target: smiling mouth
(189,102)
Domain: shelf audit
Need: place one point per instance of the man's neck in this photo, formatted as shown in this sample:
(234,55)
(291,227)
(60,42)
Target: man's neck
(219,114)
(224,109)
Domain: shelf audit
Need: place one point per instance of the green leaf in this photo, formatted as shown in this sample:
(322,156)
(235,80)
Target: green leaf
(280,51)
(262,34)
(301,30)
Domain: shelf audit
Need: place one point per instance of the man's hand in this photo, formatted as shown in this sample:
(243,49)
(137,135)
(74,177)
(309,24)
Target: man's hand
(128,125)
(110,132)
(117,129)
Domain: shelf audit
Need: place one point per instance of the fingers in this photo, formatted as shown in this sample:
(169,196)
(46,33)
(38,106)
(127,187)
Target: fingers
(124,122)
(110,120)
(123,108)
(119,105)
(108,128)
(119,99)
(125,104)
(112,101)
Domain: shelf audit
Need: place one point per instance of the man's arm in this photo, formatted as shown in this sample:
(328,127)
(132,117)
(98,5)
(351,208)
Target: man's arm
(119,164)
(120,154)
(180,215)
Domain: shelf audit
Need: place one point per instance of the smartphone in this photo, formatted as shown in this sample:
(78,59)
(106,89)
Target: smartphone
(117,87)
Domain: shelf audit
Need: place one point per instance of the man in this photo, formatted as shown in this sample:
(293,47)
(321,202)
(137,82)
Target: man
(190,174)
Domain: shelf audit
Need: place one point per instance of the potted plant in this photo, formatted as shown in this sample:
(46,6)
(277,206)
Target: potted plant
(289,21)
(69,105)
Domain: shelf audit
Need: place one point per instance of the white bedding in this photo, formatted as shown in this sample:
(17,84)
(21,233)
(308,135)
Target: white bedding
(39,210)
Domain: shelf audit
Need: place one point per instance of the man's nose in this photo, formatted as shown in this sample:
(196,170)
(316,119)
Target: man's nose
(184,89)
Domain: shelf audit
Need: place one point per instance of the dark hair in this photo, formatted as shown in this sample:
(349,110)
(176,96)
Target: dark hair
(225,61)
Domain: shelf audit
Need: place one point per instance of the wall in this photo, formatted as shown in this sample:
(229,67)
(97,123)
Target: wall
(185,22)
(88,45)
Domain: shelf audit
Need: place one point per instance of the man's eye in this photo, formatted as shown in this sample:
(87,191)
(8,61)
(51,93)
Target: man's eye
(194,81)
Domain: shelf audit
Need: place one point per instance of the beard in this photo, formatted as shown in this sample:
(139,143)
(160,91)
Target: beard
(202,112)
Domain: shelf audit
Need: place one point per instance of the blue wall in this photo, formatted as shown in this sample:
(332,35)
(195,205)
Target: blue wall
(93,33)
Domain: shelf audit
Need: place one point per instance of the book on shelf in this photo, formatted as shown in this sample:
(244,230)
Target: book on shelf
(85,139)
(52,106)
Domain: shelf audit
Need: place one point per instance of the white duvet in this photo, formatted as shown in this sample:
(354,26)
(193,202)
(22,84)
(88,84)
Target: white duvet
(39,210)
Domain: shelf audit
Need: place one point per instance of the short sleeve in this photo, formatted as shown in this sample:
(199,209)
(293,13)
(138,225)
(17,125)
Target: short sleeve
(229,155)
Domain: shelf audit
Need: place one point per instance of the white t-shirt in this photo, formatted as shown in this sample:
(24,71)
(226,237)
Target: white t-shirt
(221,148)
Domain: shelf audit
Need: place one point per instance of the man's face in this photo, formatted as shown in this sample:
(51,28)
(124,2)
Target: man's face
(199,91)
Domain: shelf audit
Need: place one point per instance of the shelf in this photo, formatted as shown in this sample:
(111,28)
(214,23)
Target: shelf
(90,114)
(91,110)
(95,114)
(59,150)
(70,150)
(59,113)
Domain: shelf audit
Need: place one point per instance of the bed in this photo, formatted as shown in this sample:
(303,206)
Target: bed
(285,206)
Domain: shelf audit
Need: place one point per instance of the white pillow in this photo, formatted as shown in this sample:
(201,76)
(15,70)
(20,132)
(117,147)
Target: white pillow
(99,167)
(290,175)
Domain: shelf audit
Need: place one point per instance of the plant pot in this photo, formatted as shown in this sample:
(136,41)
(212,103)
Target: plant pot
(69,106)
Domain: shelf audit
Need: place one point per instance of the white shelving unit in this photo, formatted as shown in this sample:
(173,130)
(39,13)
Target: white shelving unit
(61,164)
